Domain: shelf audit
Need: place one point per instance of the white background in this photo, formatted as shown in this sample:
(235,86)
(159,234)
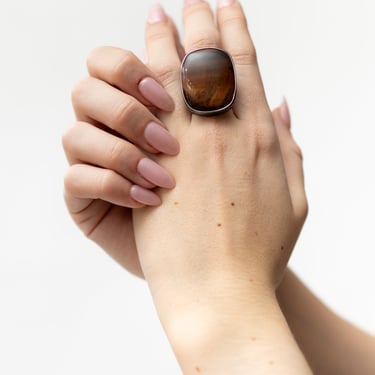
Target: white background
(65,307)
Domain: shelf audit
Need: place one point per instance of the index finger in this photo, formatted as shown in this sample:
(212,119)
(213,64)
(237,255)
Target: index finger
(122,69)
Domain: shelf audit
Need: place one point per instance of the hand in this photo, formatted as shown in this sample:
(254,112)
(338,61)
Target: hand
(215,251)
(235,213)
(110,150)
(111,76)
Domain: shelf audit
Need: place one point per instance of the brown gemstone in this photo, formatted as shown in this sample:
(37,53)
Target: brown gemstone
(208,81)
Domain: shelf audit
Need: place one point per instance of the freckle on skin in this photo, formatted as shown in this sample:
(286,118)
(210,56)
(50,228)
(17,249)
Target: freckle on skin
(282,248)
(219,225)
(197,369)
(233,204)
(256,233)
(253,339)
(271,363)
(176,203)
(251,280)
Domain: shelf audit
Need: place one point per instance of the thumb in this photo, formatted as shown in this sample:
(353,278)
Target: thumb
(292,158)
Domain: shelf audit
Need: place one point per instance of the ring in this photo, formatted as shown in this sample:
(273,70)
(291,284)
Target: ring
(208,81)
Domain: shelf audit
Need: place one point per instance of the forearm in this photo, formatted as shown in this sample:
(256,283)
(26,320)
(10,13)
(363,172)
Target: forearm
(330,344)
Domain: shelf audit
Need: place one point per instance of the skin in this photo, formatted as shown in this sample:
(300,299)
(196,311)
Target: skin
(213,291)
(97,192)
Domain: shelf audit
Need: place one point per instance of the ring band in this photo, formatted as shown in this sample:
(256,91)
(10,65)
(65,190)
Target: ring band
(208,81)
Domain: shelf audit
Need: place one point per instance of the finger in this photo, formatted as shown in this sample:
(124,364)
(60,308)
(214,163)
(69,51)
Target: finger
(97,100)
(84,183)
(199,25)
(84,143)
(179,47)
(292,158)
(235,39)
(162,55)
(125,71)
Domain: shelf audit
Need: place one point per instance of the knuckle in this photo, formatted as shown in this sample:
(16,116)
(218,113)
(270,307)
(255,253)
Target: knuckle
(92,57)
(156,34)
(79,90)
(107,183)
(265,139)
(247,57)
(70,136)
(67,137)
(166,74)
(203,42)
(116,153)
(71,184)
(124,110)
(122,65)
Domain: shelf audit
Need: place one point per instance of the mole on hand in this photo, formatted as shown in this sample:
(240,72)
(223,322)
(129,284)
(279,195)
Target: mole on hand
(233,204)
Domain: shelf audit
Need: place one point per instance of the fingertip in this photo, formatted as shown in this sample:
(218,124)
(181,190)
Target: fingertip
(156,13)
(144,196)
(159,138)
(156,94)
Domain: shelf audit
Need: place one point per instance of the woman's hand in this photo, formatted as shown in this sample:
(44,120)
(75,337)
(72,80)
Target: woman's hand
(236,211)
(215,251)
(111,147)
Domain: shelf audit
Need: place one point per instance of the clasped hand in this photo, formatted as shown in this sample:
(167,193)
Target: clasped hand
(218,202)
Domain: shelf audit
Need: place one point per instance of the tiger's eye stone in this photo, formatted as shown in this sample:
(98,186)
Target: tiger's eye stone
(208,81)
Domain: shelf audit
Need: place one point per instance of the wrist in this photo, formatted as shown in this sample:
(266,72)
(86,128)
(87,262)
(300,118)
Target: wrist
(221,295)
(248,335)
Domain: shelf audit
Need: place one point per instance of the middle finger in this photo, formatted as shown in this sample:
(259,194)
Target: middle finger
(199,23)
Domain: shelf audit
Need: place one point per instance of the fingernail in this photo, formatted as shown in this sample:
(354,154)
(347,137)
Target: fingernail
(225,3)
(154,173)
(160,138)
(144,196)
(285,113)
(189,2)
(156,94)
(156,14)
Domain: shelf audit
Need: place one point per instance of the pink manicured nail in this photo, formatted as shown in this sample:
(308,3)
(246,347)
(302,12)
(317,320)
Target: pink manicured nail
(154,173)
(156,94)
(156,14)
(225,3)
(285,113)
(160,138)
(144,196)
(189,2)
